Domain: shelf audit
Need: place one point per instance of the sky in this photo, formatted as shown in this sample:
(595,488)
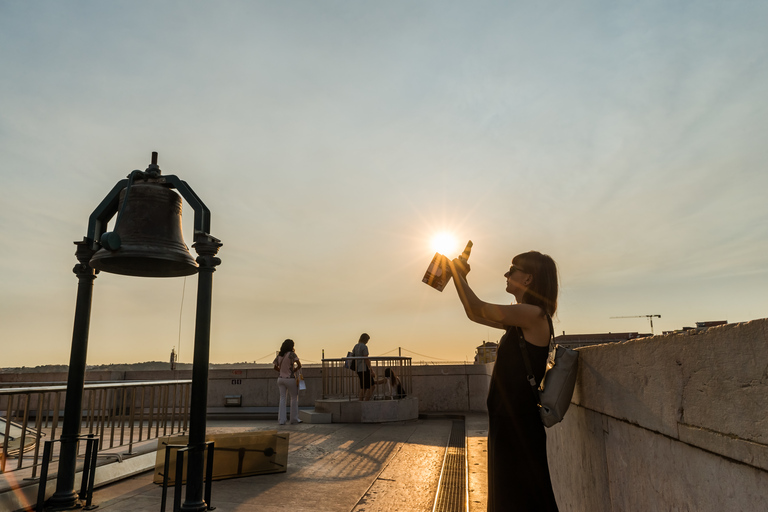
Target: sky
(333,140)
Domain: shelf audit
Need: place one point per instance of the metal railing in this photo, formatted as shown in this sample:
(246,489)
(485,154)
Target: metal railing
(341,382)
(118,413)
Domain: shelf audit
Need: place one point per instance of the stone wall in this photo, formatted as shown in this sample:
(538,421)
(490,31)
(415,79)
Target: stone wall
(676,422)
(452,388)
(439,388)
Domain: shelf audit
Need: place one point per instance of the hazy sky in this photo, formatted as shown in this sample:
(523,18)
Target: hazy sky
(332,140)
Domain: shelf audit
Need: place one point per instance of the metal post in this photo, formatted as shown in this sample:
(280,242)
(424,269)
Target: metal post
(65,495)
(209,474)
(206,248)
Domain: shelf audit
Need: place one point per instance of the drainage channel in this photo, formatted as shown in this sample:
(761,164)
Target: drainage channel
(452,487)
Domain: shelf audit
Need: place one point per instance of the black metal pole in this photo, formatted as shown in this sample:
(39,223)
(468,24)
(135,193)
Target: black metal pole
(206,249)
(65,496)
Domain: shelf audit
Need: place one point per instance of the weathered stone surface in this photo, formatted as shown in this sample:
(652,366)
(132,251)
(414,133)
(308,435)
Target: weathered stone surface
(444,388)
(315,416)
(442,392)
(373,411)
(577,462)
(652,472)
(726,380)
(741,450)
(637,381)
(674,422)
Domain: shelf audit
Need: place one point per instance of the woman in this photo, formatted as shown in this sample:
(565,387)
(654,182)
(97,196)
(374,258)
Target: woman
(363,367)
(287,364)
(394,386)
(518,473)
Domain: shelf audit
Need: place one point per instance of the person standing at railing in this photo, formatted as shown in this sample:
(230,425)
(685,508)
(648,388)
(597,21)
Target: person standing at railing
(363,367)
(518,471)
(287,364)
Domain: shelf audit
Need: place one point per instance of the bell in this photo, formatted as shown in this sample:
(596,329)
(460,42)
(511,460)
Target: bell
(147,240)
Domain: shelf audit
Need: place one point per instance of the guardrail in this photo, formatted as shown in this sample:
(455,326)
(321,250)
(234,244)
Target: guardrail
(341,382)
(118,413)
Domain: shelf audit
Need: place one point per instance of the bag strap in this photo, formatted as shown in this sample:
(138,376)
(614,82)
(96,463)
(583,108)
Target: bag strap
(524,350)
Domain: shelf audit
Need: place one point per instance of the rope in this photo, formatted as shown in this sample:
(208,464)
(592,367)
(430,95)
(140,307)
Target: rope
(181,309)
(271,354)
(422,355)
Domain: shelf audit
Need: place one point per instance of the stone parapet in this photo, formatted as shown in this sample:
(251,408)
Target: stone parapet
(674,422)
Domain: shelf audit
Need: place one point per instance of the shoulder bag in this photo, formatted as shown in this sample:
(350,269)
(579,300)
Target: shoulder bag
(350,363)
(556,389)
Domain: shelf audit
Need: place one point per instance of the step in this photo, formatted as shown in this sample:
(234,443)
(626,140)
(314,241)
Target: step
(312,416)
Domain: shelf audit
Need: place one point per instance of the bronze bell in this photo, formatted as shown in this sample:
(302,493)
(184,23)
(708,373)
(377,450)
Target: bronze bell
(147,240)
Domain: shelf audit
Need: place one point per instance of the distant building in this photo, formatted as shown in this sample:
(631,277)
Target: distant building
(486,353)
(700,326)
(585,340)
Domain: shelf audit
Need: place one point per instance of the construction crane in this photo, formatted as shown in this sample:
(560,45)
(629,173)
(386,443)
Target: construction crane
(649,317)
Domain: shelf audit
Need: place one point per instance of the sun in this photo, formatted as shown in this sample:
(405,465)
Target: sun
(445,243)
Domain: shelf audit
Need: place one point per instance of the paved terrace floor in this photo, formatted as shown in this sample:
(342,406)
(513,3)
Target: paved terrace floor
(334,468)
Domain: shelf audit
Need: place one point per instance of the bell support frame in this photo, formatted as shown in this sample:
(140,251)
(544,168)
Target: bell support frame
(97,222)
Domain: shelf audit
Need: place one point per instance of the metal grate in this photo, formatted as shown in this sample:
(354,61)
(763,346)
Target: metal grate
(452,488)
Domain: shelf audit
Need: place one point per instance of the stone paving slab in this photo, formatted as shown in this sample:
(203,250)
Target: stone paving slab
(331,467)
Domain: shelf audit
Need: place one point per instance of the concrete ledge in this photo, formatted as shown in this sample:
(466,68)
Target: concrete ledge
(315,416)
(373,411)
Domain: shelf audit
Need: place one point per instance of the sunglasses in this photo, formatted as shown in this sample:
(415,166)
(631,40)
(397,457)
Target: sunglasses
(512,271)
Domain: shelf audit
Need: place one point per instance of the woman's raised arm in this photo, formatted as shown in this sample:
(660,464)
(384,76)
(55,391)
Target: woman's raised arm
(499,316)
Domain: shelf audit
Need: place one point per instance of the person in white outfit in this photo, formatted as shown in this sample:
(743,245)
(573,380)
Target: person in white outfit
(287,364)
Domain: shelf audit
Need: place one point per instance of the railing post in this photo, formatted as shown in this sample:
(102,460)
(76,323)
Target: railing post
(38,423)
(7,433)
(91,475)
(131,418)
(179,475)
(47,449)
(209,474)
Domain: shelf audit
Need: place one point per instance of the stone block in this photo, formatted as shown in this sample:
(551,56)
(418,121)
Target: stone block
(725,373)
(478,391)
(577,464)
(638,381)
(373,411)
(314,416)
(449,392)
(648,471)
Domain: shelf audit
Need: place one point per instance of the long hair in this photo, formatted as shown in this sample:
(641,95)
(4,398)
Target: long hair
(364,338)
(388,373)
(287,346)
(543,289)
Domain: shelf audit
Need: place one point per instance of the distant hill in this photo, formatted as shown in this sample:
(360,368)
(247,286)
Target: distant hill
(124,367)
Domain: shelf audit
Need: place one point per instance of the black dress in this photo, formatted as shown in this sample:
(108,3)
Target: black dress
(518,473)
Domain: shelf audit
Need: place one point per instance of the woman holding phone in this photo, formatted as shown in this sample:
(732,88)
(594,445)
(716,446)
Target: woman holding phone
(518,472)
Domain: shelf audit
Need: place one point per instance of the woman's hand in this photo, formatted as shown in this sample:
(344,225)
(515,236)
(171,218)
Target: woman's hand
(460,266)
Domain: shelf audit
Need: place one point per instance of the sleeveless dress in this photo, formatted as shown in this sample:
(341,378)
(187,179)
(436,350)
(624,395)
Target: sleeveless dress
(518,472)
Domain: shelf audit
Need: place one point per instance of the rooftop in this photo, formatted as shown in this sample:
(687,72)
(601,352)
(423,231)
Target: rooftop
(333,467)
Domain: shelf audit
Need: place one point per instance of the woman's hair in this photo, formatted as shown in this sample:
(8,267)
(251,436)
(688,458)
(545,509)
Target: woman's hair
(542,291)
(388,373)
(287,346)
(364,338)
